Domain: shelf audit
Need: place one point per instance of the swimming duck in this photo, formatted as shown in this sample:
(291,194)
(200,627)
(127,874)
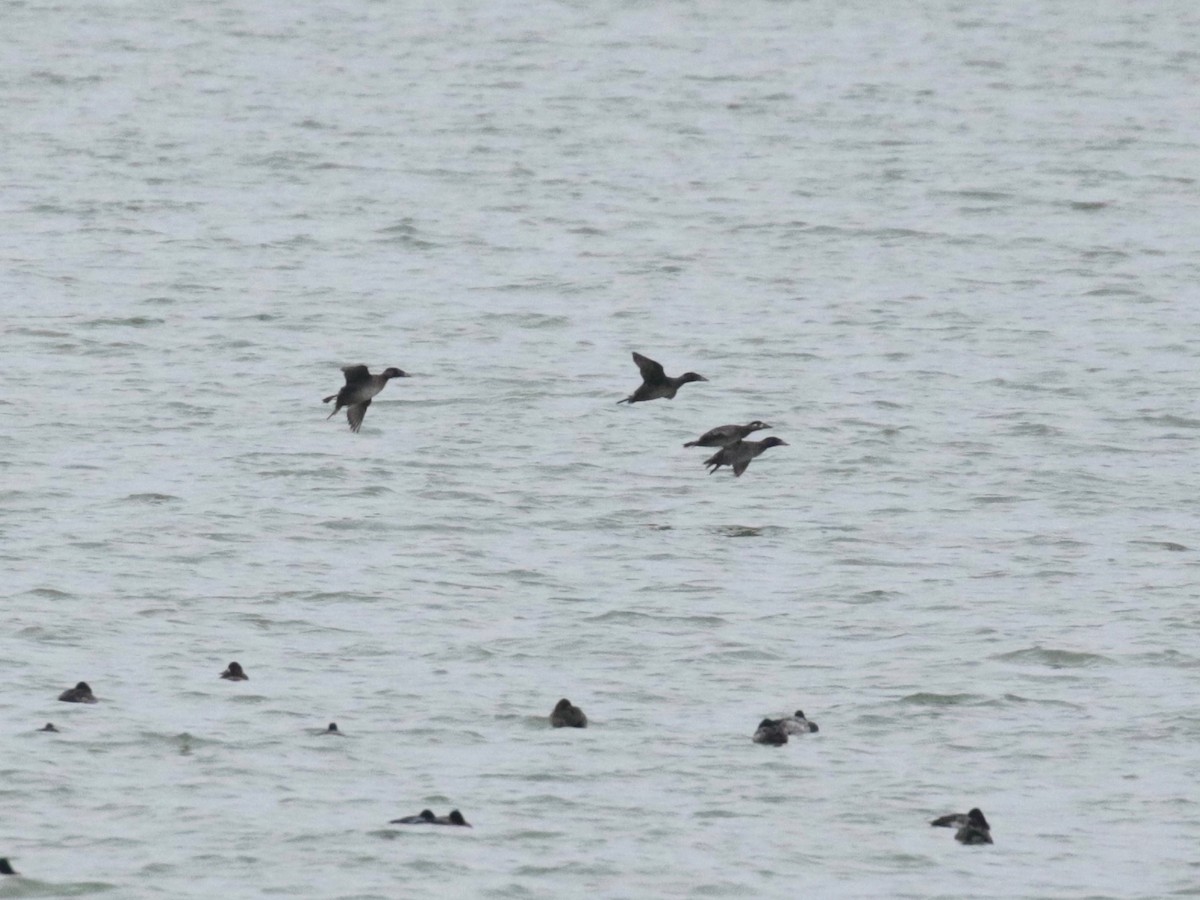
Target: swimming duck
(424,817)
(797,724)
(455,818)
(657,384)
(234,672)
(356,394)
(724,435)
(6,867)
(771,731)
(567,716)
(740,453)
(972,828)
(81,693)
(333,729)
(49,726)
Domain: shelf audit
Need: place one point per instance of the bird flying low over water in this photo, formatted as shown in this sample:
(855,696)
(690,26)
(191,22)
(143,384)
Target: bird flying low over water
(356,394)
(740,453)
(973,828)
(724,435)
(657,384)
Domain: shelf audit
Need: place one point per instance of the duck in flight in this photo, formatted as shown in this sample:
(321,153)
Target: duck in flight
(657,384)
(740,453)
(358,390)
(973,828)
(724,435)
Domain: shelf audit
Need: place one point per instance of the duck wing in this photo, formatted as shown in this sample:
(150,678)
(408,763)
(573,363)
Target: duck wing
(355,413)
(955,820)
(356,374)
(652,372)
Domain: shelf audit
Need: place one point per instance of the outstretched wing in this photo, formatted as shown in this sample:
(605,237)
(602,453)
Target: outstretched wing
(740,466)
(355,413)
(955,820)
(651,371)
(356,374)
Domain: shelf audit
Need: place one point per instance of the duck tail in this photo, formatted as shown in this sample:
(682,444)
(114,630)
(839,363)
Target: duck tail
(692,444)
(330,397)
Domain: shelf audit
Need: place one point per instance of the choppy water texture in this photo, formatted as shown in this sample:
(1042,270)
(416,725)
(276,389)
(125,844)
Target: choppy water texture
(947,249)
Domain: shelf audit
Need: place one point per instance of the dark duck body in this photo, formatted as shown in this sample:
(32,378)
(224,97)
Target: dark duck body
(740,453)
(771,731)
(235,672)
(657,384)
(972,828)
(424,817)
(81,693)
(724,435)
(565,715)
(361,386)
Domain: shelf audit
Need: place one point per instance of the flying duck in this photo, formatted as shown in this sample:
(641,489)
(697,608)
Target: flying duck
(724,435)
(656,384)
(356,394)
(740,453)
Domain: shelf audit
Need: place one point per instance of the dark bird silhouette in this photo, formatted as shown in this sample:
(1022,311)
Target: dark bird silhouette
(657,384)
(81,693)
(333,729)
(424,817)
(234,672)
(356,394)
(771,731)
(49,726)
(724,435)
(567,716)
(973,828)
(740,453)
(6,867)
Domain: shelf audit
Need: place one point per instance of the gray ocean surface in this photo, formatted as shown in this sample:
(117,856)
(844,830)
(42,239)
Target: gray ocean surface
(947,249)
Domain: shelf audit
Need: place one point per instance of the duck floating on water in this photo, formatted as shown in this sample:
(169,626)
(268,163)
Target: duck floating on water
(234,672)
(772,732)
(565,715)
(657,384)
(81,693)
(973,828)
(358,390)
(426,817)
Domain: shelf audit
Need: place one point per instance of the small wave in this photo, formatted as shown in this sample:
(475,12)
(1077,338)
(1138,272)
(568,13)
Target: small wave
(1055,659)
(925,698)
(1164,545)
(150,498)
(131,322)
